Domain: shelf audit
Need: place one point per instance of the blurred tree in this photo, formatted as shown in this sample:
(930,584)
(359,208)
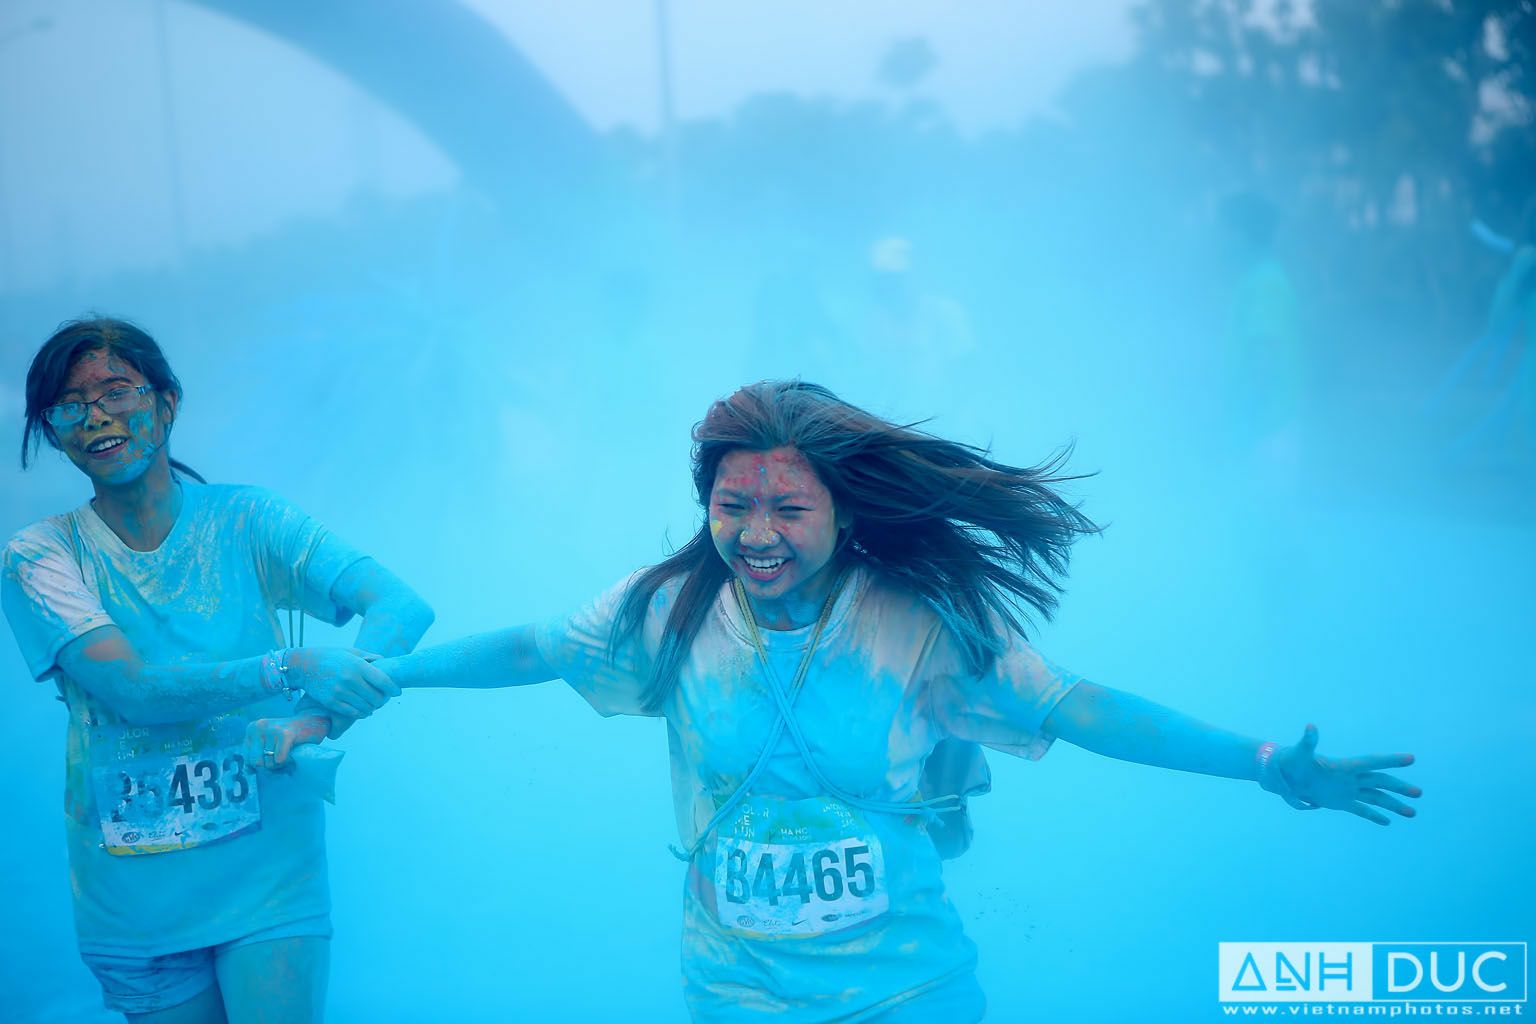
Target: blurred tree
(907,62)
(1384,127)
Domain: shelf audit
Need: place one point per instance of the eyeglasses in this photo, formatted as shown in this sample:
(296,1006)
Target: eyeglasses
(118,400)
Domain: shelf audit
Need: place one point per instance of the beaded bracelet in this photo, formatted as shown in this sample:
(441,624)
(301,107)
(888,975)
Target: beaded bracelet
(274,674)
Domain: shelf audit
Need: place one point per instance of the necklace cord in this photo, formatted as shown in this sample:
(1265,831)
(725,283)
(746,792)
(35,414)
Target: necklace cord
(775,731)
(786,712)
(786,719)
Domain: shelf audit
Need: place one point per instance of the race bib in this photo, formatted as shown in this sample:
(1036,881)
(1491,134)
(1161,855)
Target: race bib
(797,868)
(172,787)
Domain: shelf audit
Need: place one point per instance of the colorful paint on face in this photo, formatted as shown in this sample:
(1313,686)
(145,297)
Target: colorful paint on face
(775,524)
(113,450)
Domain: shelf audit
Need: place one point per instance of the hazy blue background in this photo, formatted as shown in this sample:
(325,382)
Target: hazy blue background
(458,280)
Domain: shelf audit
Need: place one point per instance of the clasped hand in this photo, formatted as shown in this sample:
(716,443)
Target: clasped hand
(342,680)
(270,741)
(1353,784)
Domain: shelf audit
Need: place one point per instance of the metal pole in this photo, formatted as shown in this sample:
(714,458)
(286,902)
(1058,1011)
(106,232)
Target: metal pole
(664,99)
(172,140)
(7,250)
(664,66)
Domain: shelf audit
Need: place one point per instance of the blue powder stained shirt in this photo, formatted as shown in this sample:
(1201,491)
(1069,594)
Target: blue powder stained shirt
(887,683)
(209,593)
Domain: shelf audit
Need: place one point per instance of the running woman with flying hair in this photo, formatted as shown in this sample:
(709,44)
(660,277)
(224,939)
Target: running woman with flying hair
(847,615)
(199,883)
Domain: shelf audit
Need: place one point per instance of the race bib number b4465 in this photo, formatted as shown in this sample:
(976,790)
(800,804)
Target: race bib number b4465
(807,888)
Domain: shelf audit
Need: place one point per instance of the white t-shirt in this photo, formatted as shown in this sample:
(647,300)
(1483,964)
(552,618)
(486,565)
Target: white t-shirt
(887,683)
(209,593)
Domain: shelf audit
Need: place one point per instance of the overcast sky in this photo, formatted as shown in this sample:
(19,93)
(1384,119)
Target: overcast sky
(158,122)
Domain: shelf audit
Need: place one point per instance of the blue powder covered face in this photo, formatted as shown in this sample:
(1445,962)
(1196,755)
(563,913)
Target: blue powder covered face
(113,449)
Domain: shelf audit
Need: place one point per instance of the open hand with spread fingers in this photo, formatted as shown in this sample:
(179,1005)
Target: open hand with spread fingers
(1358,785)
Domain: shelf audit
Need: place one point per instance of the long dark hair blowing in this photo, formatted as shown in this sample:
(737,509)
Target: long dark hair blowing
(968,534)
(50,369)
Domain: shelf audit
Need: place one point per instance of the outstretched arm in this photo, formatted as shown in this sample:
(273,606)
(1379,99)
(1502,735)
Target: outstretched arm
(486,660)
(1130,728)
(506,657)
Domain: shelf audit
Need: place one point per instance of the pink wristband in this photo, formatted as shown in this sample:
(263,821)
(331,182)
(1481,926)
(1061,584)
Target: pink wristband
(1265,758)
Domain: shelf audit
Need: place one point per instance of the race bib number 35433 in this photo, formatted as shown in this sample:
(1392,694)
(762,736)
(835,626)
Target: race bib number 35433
(157,793)
(807,888)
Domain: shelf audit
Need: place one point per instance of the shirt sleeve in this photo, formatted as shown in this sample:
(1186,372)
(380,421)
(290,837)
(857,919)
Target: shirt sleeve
(578,648)
(45,597)
(1005,707)
(298,558)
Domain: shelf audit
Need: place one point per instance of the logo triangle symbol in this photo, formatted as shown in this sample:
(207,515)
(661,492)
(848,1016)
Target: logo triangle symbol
(1257,984)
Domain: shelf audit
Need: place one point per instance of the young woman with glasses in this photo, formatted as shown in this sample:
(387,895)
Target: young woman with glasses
(199,883)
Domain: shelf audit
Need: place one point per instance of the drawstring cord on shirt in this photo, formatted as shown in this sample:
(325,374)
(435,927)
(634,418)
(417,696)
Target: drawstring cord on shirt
(774,732)
(937,804)
(786,719)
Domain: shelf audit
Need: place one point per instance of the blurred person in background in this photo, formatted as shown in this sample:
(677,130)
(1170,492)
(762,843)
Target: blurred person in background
(847,612)
(199,884)
(1502,361)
